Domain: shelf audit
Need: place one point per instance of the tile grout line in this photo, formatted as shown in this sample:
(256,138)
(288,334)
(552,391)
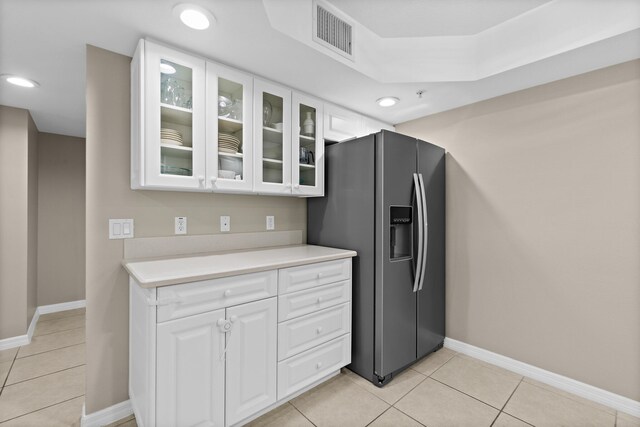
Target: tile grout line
(43,375)
(401,411)
(460,391)
(57,332)
(40,320)
(40,409)
(47,351)
(507,401)
(374,420)
(4,383)
(301,413)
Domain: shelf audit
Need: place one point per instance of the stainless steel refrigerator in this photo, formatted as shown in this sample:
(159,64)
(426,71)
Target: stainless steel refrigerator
(385,199)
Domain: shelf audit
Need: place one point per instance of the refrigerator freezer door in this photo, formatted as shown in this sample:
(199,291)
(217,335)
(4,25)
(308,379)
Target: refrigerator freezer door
(395,301)
(431,297)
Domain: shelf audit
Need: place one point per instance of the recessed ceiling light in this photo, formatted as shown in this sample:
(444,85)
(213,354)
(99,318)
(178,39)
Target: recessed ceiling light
(167,69)
(194,16)
(19,81)
(387,101)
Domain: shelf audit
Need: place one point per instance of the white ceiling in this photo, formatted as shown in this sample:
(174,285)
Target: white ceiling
(426,18)
(45,41)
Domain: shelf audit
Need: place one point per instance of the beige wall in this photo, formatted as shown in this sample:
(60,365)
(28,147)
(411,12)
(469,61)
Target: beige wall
(61,225)
(543,225)
(32,218)
(18,202)
(108,195)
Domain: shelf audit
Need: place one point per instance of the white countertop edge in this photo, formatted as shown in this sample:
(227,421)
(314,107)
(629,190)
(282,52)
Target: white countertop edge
(169,279)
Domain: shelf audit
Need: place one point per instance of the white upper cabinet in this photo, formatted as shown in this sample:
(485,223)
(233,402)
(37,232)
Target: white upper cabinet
(272,138)
(307,146)
(169,127)
(200,126)
(229,129)
(341,124)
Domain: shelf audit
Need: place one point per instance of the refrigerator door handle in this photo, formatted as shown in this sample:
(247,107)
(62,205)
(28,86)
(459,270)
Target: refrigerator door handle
(419,203)
(425,227)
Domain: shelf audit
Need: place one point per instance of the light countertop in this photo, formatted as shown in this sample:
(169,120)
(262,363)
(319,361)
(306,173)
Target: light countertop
(154,272)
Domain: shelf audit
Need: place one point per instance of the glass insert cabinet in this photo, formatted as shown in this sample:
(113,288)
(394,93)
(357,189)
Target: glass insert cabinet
(200,126)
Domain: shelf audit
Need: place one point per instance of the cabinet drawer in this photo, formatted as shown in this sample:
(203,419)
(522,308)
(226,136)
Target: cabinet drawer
(308,276)
(303,333)
(304,302)
(299,371)
(187,299)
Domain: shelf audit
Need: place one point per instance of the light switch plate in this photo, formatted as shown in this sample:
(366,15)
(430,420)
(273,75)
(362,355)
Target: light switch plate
(271,222)
(225,223)
(120,228)
(181,225)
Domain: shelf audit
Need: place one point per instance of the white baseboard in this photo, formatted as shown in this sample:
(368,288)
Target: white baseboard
(21,339)
(12,342)
(106,415)
(63,306)
(43,309)
(620,403)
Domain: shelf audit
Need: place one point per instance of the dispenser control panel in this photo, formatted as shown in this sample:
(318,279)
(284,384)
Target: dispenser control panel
(400,232)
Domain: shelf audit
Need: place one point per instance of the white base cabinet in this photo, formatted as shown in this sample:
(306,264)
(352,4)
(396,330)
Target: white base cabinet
(220,352)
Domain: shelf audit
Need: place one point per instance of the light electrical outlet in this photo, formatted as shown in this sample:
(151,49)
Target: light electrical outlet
(181,225)
(225,223)
(271,222)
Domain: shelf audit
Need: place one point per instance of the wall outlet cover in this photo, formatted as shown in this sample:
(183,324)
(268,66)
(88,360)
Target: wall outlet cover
(225,223)
(271,222)
(181,225)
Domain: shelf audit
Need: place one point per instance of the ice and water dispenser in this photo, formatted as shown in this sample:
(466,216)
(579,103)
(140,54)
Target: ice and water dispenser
(400,232)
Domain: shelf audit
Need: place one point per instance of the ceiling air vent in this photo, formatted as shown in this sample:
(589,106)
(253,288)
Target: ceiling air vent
(331,31)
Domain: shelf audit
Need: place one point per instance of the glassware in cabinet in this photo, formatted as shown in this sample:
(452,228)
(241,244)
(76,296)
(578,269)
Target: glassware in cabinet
(272,138)
(230,141)
(173,145)
(308,146)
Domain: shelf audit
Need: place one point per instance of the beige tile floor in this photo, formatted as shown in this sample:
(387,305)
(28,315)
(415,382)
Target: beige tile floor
(42,384)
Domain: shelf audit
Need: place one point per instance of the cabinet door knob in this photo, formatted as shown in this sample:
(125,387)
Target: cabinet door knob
(319,276)
(296,186)
(201,178)
(287,186)
(227,292)
(319,330)
(213,179)
(233,318)
(319,300)
(318,365)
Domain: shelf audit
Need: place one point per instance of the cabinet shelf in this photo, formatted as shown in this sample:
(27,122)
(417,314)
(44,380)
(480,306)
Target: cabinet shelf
(305,166)
(173,114)
(308,138)
(272,135)
(180,151)
(236,155)
(271,163)
(226,125)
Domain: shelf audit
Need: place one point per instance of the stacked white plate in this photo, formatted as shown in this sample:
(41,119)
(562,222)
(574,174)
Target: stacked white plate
(170,136)
(228,143)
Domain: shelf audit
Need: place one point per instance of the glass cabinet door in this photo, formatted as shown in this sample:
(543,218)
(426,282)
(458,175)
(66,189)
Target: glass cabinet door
(272,124)
(174,119)
(308,146)
(229,129)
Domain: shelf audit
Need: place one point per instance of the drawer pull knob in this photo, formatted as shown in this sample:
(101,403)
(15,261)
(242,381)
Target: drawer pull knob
(319,300)
(319,330)
(227,292)
(318,365)
(319,275)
